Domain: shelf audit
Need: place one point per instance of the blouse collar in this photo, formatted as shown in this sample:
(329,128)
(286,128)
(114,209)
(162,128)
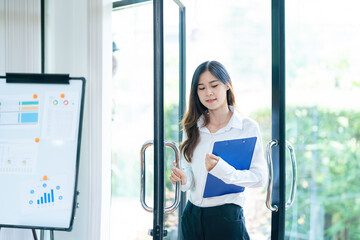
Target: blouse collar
(234,122)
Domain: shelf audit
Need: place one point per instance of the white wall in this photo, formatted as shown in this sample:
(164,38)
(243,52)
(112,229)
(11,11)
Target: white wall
(66,37)
(20,48)
(66,52)
(20,44)
(78,41)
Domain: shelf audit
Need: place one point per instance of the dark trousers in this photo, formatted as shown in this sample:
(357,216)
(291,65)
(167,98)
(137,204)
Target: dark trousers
(225,222)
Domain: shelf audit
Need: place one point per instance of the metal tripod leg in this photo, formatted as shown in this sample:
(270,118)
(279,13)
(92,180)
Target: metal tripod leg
(42,234)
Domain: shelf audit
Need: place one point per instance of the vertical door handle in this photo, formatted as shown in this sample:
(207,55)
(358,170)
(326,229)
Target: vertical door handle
(291,199)
(142,173)
(268,202)
(176,202)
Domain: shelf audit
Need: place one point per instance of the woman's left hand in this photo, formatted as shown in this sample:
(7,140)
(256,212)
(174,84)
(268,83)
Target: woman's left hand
(210,161)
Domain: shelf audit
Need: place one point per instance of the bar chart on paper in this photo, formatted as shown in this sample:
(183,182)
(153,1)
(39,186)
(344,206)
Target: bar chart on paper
(18,111)
(46,198)
(47,193)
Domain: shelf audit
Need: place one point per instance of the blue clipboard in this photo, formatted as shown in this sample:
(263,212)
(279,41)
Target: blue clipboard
(238,153)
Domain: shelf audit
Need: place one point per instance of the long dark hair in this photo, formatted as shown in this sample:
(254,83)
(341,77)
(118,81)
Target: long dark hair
(196,108)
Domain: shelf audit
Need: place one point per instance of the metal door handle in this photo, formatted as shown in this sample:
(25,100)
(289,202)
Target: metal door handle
(142,194)
(174,206)
(269,204)
(291,199)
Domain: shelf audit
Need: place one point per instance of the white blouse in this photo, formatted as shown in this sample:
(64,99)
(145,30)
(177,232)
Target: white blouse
(196,173)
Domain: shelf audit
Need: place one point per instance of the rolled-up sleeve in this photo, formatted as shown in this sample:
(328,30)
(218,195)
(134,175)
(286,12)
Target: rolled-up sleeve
(256,176)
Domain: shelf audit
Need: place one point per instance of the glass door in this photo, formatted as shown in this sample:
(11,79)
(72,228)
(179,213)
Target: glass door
(148,103)
(323,117)
(319,116)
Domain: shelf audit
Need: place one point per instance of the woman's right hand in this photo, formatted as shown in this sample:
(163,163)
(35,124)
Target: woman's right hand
(177,175)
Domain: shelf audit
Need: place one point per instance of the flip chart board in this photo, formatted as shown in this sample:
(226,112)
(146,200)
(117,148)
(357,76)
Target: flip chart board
(40,133)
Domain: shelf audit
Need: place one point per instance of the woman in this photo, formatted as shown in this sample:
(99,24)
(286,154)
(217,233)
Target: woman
(212,117)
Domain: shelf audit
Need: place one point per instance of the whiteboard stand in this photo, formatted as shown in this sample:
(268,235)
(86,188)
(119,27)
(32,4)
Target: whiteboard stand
(39,112)
(42,234)
(34,234)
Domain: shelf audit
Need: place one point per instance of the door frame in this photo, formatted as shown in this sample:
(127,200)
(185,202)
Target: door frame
(159,158)
(278,117)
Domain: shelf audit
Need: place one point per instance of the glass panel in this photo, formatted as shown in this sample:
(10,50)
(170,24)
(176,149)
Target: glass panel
(238,34)
(132,126)
(171,106)
(133,79)
(323,117)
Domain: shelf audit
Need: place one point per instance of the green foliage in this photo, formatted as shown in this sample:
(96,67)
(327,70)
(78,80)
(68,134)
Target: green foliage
(327,145)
